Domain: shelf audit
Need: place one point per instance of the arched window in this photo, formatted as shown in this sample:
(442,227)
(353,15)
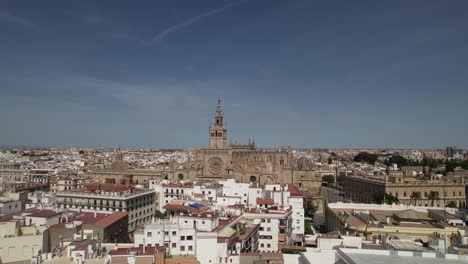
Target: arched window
(253,178)
(180,176)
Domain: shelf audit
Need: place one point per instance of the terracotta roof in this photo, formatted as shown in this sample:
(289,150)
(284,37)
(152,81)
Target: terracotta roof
(110,219)
(45,214)
(294,191)
(266,201)
(179,185)
(177,207)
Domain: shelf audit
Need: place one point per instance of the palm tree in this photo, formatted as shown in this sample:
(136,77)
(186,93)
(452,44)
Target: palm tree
(433,196)
(415,196)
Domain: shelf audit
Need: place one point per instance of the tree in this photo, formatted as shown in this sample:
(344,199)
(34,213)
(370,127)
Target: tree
(330,160)
(452,204)
(464,164)
(389,199)
(433,196)
(450,165)
(366,157)
(340,181)
(329,179)
(308,228)
(309,208)
(415,196)
(158,214)
(399,160)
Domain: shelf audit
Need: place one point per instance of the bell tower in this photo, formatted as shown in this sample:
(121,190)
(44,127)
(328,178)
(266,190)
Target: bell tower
(218,131)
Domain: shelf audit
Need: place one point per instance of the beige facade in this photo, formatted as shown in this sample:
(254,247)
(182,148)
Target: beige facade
(362,189)
(22,243)
(66,181)
(245,163)
(12,172)
(140,204)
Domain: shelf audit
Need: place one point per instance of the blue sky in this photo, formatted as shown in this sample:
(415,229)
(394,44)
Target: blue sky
(307,73)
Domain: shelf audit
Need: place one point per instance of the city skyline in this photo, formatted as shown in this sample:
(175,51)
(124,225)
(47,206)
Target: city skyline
(335,75)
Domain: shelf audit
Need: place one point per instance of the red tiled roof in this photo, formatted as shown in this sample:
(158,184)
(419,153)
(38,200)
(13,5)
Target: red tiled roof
(294,191)
(179,185)
(110,219)
(45,214)
(10,217)
(266,201)
(178,207)
(81,247)
(100,219)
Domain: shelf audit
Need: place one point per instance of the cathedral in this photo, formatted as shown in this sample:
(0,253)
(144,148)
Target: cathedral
(243,162)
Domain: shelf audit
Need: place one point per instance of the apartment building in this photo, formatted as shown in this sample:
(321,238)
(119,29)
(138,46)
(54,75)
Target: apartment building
(138,202)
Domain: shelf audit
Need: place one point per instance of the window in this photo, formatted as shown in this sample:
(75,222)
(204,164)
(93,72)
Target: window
(11,251)
(268,228)
(149,234)
(190,248)
(189,238)
(166,233)
(182,248)
(182,238)
(268,246)
(174,245)
(404,194)
(174,233)
(262,245)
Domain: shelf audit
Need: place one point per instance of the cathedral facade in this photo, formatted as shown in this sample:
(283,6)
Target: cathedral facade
(243,162)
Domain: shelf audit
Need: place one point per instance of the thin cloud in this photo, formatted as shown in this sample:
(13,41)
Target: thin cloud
(7,16)
(161,35)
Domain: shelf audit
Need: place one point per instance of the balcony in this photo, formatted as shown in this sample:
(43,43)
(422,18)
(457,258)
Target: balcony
(282,237)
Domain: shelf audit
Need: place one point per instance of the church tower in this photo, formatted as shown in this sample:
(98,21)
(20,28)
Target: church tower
(218,131)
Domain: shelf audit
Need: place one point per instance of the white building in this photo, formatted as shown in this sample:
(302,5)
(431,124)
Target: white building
(8,206)
(178,237)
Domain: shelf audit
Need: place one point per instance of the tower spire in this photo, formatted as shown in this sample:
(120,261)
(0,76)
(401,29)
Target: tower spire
(218,131)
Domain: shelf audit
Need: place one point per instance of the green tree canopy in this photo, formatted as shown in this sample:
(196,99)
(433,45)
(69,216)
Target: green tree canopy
(309,208)
(433,195)
(389,199)
(160,215)
(328,179)
(415,196)
(366,157)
